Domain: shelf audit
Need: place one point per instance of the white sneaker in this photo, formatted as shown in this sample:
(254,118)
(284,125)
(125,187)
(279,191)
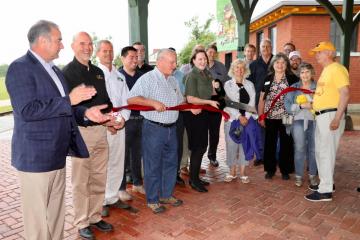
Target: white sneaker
(312,180)
(298,181)
(124,196)
(139,189)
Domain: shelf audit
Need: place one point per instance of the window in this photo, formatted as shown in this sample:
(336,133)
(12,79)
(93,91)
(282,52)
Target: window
(335,36)
(273,37)
(228,60)
(259,38)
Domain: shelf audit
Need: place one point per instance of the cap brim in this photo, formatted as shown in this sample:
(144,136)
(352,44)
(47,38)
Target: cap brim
(312,52)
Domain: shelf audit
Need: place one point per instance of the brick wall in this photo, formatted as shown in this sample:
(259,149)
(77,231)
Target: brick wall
(302,31)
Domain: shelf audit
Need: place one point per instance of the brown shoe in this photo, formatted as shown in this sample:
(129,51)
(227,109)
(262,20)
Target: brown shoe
(156,208)
(171,200)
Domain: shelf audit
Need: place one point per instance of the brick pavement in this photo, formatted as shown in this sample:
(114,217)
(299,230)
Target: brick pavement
(262,209)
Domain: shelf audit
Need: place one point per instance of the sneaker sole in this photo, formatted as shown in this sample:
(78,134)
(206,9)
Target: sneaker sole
(172,204)
(320,200)
(314,190)
(158,211)
(86,238)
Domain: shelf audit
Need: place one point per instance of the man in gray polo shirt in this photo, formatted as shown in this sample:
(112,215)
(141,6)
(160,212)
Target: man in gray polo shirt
(159,89)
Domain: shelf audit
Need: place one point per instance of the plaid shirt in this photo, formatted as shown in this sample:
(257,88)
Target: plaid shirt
(154,85)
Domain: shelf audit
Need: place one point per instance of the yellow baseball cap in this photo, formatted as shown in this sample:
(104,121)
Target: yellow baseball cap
(321,46)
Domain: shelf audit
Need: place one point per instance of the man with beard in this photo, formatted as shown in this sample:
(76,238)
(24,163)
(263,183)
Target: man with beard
(295,61)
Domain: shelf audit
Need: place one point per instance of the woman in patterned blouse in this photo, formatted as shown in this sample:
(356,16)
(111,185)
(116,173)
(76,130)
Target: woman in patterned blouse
(279,78)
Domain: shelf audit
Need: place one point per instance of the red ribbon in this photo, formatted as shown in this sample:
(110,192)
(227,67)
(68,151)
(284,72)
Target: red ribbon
(277,97)
(180,107)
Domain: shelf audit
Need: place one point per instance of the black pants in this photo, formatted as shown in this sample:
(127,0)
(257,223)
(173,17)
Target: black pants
(214,121)
(197,130)
(275,128)
(133,151)
(180,129)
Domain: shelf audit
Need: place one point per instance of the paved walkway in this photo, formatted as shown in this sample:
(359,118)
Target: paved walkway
(262,209)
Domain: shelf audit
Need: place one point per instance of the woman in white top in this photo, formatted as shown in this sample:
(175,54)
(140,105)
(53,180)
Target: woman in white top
(238,89)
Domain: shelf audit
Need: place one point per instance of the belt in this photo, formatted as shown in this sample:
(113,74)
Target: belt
(136,117)
(163,124)
(325,111)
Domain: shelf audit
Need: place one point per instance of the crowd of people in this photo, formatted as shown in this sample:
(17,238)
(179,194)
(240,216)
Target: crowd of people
(279,116)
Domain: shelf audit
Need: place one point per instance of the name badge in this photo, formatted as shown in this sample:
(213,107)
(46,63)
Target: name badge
(267,83)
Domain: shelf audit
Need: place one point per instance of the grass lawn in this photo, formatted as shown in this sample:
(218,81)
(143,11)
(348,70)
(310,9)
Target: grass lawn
(5,109)
(3,93)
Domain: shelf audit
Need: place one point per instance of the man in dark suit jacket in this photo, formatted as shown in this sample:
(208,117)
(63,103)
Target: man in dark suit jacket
(45,130)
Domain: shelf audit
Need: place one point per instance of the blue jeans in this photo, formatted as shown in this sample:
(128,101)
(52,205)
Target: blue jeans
(304,146)
(159,145)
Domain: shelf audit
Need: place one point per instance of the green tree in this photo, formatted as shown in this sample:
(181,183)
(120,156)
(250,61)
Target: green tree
(117,61)
(200,34)
(3,69)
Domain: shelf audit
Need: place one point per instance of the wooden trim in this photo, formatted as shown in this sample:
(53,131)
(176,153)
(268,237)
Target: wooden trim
(286,11)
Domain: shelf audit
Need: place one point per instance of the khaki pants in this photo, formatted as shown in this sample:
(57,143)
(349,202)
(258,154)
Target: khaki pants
(115,168)
(42,201)
(326,145)
(89,177)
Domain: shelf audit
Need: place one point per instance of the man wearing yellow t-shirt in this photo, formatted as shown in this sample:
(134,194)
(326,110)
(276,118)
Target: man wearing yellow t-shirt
(330,100)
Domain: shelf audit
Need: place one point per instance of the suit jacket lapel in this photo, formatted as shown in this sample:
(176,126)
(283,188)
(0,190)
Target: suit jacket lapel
(49,78)
(61,78)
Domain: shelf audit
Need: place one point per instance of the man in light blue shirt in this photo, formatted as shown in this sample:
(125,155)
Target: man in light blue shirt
(159,89)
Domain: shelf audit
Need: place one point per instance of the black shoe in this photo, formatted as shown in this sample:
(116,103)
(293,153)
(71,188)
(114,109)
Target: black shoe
(119,204)
(285,176)
(204,183)
(198,187)
(105,211)
(316,187)
(319,197)
(103,226)
(180,181)
(214,162)
(269,175)
(358,189)
(258,162)
(122,205)
(86,233)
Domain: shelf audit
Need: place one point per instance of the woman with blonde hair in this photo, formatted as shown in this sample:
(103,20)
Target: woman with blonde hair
(238,90)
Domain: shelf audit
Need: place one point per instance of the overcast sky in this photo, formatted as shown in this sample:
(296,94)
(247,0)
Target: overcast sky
(105,18)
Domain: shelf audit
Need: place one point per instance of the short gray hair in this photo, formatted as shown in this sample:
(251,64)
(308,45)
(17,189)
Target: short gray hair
(41,28)
(162,52)
(264,40)
(98,45)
